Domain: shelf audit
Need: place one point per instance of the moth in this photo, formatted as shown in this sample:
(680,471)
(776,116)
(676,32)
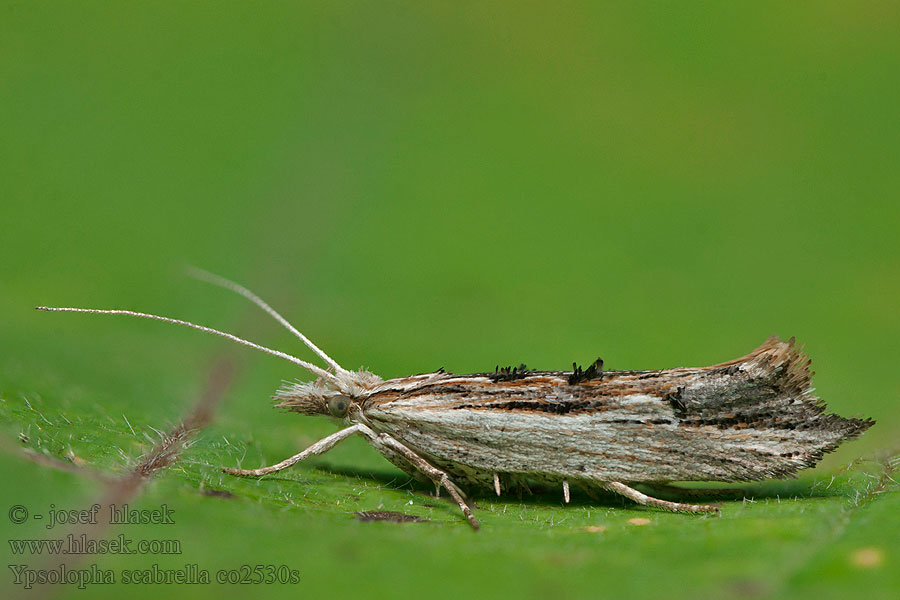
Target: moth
(747,419)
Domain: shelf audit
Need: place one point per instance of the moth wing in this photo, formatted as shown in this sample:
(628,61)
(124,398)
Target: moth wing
(747,419)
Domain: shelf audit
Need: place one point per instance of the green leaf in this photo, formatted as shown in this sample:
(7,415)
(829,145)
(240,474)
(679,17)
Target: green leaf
(425,185)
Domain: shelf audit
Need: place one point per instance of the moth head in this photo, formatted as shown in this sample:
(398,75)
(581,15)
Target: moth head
(337,398)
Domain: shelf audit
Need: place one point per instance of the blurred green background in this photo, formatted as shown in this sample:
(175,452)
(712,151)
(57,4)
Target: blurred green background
(457,185)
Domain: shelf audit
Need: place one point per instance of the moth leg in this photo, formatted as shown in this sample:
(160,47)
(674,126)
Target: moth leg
(665,488)
(633,494)
(591,491)
(436,475)
(521,486)
(323,445)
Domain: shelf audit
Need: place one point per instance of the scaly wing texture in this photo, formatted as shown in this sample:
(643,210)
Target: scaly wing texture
(750,418)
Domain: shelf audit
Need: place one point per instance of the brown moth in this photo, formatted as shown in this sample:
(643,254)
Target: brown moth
(747,419)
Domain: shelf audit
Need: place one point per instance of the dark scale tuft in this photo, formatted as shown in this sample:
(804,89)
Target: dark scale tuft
(675,401)
(509,373)
(595,371)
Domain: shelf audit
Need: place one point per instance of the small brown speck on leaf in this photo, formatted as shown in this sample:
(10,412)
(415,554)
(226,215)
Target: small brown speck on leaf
(217,493)
(595,528)
(867,558)
(388,515)
(639,521)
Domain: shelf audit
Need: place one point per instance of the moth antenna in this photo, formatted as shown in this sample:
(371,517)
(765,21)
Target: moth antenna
(214,279)
(308,366)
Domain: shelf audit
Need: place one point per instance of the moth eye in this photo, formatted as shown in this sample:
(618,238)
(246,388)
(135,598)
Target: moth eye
(338,406)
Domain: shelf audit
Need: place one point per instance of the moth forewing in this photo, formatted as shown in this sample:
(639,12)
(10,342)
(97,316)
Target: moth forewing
(746,419)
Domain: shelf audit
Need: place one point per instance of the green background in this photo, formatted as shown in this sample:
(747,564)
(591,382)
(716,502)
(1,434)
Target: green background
(457,185)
